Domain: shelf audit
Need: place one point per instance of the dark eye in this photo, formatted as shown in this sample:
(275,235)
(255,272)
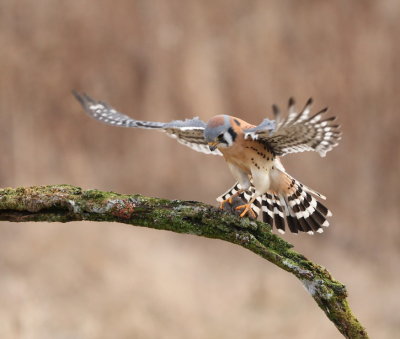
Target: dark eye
(221,137)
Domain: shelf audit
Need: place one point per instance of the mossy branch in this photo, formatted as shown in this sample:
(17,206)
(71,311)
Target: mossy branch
(63,203)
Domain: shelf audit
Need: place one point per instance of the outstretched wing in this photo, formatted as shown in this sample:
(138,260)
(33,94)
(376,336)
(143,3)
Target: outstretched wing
(299,132)
(187,132)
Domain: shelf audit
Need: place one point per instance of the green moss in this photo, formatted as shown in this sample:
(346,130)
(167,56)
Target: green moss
(97,195)
(63,203)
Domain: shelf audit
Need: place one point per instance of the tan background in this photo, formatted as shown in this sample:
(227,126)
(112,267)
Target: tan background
(164,60)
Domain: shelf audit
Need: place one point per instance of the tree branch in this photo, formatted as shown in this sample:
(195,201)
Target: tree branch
(63,203)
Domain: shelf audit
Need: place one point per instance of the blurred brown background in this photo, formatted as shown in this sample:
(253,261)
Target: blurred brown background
(164,60)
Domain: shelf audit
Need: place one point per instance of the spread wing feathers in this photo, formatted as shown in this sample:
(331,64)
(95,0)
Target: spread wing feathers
(187,132)
(298,132)
(297,209)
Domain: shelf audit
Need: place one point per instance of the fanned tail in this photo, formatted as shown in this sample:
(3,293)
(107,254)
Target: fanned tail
(296,209)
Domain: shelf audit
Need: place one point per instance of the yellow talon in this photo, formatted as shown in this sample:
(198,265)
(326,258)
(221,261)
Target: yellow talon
(230,199)
(222,203)
(247,209)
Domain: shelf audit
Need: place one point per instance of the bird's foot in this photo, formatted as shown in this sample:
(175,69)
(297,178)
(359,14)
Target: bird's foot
(230,199)
(223,202)
(246,210)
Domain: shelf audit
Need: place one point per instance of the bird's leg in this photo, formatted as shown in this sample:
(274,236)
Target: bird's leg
(230,199)
(247,208)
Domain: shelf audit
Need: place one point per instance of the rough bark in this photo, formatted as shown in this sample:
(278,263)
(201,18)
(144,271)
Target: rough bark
(63,203)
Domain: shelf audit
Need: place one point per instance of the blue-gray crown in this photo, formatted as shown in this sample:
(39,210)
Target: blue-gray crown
(215,127)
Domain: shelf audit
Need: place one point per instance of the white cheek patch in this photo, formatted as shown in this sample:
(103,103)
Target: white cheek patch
(228,138)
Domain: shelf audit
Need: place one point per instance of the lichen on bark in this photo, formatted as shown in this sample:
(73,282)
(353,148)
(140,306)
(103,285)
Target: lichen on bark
(64,203)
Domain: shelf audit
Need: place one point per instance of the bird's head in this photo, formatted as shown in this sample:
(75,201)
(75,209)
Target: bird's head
(219,132)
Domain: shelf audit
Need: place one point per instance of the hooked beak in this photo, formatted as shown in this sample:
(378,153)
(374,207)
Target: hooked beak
(212,146)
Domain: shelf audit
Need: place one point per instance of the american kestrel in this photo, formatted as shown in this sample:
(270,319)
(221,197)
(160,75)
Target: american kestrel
(253,157)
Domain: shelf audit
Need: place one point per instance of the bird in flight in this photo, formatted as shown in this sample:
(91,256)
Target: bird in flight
(253,157)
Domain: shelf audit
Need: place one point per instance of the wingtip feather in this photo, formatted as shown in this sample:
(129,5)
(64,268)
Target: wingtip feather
(78,96)
(275,111)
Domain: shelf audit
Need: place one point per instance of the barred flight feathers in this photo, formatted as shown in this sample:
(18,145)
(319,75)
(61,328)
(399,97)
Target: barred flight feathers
(298,132)
(189,132)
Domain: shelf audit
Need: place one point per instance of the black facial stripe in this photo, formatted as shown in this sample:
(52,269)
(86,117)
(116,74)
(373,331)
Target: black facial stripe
(232,133)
